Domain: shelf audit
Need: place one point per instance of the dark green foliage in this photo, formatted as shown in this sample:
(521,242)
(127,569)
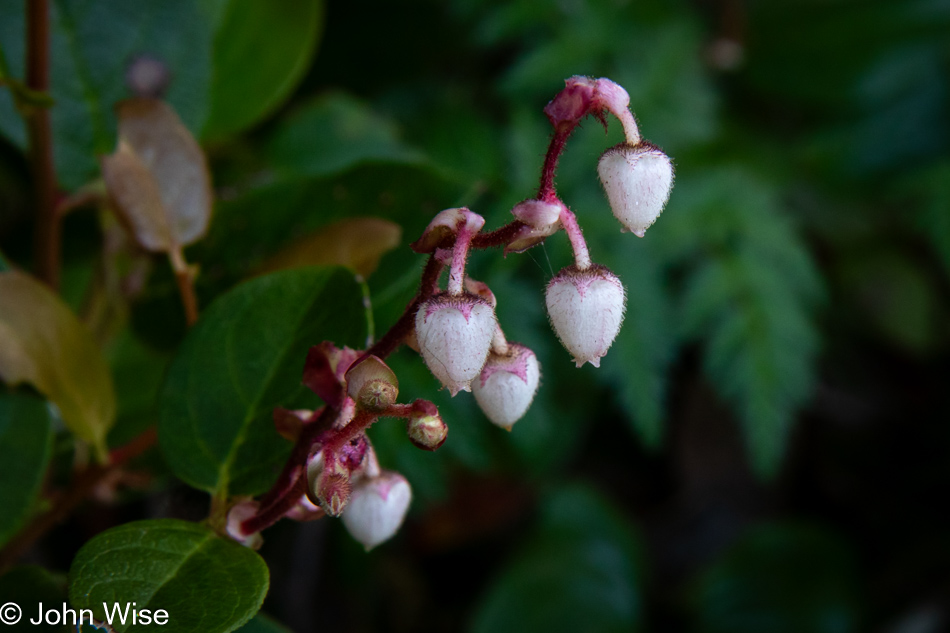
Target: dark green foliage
(26,440)
(579,571)
(779,578)
(206,584)
(243,359)
(27,587)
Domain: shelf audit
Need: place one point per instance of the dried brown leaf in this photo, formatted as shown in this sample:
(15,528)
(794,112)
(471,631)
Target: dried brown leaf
(158,177)
(358,244)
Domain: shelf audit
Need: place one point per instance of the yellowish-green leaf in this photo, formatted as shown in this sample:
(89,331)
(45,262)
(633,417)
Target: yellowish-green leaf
(158,177)
(42,343)
(357,244)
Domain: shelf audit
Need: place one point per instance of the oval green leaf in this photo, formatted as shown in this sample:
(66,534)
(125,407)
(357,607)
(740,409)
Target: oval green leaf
(26,440)
(206,584)
(243,358)
(248,85)
(43,343)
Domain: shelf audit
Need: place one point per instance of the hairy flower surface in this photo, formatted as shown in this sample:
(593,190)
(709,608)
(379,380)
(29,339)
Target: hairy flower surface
(507,384)
(454,335)
(637,180)
(377,508)
(586,310)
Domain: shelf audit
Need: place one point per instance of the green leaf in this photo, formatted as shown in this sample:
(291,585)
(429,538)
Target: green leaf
(244,357)
(4,266)
(580,571)
(26,441)
(781,579)
(261,623)
(27,587)
(205,583)
(248,85)
(750,295)
(332,133)
(45,345)
(91,45)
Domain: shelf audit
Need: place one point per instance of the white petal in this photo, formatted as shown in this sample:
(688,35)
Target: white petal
(454,336)
(637,181)
(586,309)
(377,508)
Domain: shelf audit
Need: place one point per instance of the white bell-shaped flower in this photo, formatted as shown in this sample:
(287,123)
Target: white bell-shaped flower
(507,384)
(637,180)
(377,508)
(586,309)
(454,334)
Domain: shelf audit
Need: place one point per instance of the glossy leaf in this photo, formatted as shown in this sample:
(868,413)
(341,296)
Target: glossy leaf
(333,133)
(579,572)
(357,244)
(158,178)
(205,583)
(45,345)
(247,85)
(243,358)
(779,578)
(27,587)
(26,438)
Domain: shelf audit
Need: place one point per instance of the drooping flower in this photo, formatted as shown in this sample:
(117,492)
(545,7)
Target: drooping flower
(507,385)
(377,508)
(586,309)
(637,180)
(454,334)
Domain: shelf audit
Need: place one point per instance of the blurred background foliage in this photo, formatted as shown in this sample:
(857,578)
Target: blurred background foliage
(765,447)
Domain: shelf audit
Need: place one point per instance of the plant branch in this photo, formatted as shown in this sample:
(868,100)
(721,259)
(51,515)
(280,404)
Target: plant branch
(47,235)
(186,285)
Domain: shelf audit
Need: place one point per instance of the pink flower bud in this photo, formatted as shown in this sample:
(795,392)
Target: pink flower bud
(372,384)
(541,219)
(637,180)
(377,508)
(444,225)
(586,309)
(237,515)
(454,333)
(329,484)
(505,388)
(425,427)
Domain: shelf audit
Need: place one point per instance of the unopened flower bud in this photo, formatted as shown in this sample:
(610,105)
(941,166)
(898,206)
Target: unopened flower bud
(372,384)
(329,485)
(586,309)
(237,515)
(454,333)
(637,180)
(444,225)
(425,426)
(541,220)
(377,508)
(507,384)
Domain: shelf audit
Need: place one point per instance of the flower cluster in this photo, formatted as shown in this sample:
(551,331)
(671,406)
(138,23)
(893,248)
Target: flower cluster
(333,468)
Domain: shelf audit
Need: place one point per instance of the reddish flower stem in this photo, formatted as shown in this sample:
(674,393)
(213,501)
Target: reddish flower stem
(270,515)
(547,192)
(47,235)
